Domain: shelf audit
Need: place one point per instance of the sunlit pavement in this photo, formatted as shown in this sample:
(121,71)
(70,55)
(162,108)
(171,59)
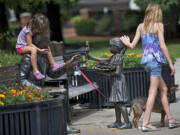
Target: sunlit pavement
(93,122)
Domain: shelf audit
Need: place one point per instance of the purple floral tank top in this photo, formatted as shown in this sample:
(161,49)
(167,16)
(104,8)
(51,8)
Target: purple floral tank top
(151,48)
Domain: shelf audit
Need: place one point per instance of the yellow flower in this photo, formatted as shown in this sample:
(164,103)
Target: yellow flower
(130,54)
(30,96)
(1,103)
(13,91)
(108,55)
(22,92)
(139,56)
(27,87)
(2,96)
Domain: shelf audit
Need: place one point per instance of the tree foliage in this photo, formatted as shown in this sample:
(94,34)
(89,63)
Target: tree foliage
(164,4)
(30,3)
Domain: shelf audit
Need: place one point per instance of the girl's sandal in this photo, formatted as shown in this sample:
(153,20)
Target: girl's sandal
(174,124)
(57,67)
(39,76)
(149,129)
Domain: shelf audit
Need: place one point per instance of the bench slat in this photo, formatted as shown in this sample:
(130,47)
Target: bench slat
(79,90)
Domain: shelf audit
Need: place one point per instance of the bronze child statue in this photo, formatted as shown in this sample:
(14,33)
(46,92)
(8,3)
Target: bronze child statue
(119,94)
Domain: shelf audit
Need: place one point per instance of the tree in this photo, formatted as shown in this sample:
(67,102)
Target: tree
(56,10)
(171,9)
(3,26)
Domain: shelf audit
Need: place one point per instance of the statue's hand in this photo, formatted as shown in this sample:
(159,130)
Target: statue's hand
(75,57)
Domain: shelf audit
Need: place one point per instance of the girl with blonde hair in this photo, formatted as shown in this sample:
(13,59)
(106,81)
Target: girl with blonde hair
(151,32)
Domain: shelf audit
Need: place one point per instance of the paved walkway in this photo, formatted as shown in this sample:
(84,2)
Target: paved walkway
(93,122)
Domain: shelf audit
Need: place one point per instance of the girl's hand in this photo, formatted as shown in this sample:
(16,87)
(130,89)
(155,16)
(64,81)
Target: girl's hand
(45,51)
(125,40)
(172,69)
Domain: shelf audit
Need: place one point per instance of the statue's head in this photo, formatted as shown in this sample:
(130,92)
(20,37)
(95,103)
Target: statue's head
(40,41)
(116,45)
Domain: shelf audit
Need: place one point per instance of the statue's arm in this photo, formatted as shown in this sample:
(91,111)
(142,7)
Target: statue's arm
(98,59)
(119,67)
(118,70)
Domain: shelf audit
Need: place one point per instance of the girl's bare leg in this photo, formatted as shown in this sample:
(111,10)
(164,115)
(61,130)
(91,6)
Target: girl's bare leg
(33,51)
(164,100)
(50,58)
(154,84)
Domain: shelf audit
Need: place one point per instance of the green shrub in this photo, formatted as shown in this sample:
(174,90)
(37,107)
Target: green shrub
(8,39)
(104,26)
(84,26)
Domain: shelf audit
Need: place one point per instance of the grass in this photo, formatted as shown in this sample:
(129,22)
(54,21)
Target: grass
(97,48)
(9,58)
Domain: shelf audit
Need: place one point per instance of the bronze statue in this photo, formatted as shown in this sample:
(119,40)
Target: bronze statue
(27,78)
(119,94)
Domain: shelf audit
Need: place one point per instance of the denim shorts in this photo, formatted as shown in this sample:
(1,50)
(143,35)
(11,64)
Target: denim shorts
(154,68)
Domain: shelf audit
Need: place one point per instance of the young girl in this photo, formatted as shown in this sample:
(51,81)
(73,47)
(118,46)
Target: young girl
(154,48)
(38,25)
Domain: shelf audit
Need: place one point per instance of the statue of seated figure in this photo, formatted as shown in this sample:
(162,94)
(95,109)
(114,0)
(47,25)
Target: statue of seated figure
(27,78)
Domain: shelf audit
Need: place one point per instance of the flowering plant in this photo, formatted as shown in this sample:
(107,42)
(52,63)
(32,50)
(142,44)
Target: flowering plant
(20,94)
(130,59)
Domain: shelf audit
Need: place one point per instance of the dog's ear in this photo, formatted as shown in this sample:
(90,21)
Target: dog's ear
(173,88)
(176,87)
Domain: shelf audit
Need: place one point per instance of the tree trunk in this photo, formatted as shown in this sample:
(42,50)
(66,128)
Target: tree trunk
(171,23)
(4,44)
(54,16)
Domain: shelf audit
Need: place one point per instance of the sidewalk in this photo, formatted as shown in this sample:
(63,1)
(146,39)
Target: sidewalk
(93,122)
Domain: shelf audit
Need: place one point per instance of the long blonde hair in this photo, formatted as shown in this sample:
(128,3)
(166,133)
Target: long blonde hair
(153,14)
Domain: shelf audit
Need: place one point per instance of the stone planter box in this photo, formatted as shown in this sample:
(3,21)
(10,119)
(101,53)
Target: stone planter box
(37,118)
(137,80)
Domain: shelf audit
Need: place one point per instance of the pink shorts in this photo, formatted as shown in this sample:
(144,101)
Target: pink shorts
(19,50)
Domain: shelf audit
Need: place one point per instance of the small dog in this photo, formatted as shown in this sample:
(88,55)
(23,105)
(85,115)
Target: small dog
(139,106)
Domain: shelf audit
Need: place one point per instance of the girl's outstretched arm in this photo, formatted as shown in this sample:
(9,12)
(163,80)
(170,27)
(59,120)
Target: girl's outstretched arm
(126,40)
(160,27)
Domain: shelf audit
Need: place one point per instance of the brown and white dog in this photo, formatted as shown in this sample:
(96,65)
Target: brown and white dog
(139,106)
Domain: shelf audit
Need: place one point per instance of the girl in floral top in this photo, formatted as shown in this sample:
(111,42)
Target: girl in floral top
(38,25)
(151,32)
